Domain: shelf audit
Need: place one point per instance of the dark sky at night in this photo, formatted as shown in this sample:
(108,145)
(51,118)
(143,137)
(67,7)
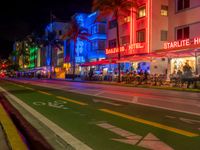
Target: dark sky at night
(21,17)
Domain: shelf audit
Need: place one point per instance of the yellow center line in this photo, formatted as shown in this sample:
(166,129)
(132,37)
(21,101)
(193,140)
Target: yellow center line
(70,100)
(30,88)
(11,132)
(19,85)
(42,92)
(154,124)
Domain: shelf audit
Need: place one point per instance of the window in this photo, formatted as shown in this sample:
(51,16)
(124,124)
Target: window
(112,24)
(141,36)
(98,45)
(163,35)
(164,10)
(182,33)
(127,19)
(98,28)
(125,39)
(102,28)
(94,29)
(182,4)
(112,43)
(101,44)
(142,12)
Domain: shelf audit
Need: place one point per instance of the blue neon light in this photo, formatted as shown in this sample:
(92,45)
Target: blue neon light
(84,50)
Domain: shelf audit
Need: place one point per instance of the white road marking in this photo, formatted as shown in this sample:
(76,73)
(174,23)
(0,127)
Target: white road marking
(129,137)
(150,142)
(135,99)
(170,117)
(106,102)
(190,121)
(55,104)
(99,93)
(153,143)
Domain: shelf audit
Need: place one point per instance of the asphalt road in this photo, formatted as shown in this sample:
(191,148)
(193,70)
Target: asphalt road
(188,102)
(101,123)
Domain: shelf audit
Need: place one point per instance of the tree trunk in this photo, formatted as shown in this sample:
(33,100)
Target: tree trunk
(51,65)
(74,60)
(119,53)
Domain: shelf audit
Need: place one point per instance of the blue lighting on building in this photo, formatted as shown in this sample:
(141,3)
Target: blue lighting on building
(94,49)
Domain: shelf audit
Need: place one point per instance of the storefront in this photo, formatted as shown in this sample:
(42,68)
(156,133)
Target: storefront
(180,55)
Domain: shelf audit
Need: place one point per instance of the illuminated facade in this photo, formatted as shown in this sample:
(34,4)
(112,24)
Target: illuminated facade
(92,49)
(53,54)
(160,34)
(22,52)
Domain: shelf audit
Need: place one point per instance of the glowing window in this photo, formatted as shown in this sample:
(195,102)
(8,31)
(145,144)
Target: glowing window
(142,12)
(127,19)
(164,10)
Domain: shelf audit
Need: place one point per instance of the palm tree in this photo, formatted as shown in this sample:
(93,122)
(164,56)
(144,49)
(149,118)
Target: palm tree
(75,31)
(50,40)
(118,9)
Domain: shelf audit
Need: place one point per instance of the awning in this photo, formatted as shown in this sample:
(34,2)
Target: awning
(180,53)
(101,62)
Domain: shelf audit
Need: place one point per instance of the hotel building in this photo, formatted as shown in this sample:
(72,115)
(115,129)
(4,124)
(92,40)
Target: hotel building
(160,36)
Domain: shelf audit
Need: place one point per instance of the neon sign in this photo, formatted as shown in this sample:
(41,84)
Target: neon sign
(127,50)
(182,43)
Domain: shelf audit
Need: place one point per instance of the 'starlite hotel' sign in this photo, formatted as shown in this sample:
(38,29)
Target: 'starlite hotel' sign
(127,50)
(182,43)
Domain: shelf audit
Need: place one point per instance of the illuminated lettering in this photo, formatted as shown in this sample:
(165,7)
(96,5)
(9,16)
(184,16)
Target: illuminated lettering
(130,49)
(196,41)
(182,43)
(187,42)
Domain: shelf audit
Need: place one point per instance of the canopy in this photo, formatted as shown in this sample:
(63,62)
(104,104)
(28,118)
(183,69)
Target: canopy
(100,62)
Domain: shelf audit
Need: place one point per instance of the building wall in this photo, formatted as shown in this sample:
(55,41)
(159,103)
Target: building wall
(60,28)
(97,31)
(159,23)
(158,66)
(188,16)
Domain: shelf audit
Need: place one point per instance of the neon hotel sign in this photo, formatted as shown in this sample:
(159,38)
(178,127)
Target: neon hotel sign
(182,43)
(128,49)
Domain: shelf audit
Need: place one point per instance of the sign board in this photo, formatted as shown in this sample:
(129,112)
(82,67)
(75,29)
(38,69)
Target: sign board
(136,48)
(182,43)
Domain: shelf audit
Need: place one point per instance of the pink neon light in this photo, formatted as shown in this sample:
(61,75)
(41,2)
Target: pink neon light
(182,43)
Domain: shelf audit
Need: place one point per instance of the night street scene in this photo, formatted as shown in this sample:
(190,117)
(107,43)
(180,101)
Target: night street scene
(100,75)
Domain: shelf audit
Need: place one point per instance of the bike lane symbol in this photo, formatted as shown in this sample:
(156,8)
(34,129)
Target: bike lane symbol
(54,104)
